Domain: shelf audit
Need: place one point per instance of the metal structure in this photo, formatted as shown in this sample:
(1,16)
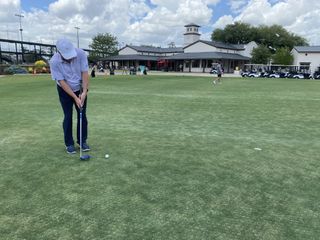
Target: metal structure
(20,16)
(20,52)
(77,35)
(27,53)
(21,38)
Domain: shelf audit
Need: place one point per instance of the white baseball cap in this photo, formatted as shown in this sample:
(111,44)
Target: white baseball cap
(66,48)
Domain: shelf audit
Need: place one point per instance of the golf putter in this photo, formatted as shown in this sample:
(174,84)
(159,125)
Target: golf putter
(82,157)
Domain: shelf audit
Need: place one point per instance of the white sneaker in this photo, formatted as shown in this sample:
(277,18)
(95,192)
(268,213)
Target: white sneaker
(214,82)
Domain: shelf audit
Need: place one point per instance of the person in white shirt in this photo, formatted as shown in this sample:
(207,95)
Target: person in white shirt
(219,73)
(69,68)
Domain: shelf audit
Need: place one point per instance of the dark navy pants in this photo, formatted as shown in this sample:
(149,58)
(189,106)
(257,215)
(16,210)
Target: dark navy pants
(67,104)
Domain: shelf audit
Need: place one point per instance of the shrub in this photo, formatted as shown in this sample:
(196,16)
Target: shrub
(2,68)
(14,69)
(39,65)
(30,69)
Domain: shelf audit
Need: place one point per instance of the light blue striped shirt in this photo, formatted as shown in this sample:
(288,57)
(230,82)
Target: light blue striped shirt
(70,72)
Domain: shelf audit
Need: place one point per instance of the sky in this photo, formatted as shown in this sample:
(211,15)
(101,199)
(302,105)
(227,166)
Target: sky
(150,22)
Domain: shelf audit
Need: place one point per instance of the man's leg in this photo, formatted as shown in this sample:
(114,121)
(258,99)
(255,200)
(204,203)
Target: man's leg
(67,107)
(219,78)
(84,122)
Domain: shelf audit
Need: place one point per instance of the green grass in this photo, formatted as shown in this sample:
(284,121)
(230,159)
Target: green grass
(182,164)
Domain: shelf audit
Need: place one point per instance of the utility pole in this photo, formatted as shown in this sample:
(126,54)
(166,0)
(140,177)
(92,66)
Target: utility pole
(21,38)
(77,35)
(20,16)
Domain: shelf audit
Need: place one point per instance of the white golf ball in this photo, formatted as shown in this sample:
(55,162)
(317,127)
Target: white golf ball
(106,156)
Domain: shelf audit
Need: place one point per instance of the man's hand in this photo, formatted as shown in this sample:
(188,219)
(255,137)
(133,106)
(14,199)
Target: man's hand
(82,97)
(77,100)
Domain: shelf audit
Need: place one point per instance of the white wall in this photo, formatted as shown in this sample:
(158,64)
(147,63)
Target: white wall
(127,51)
(200,47)
(203,47)
(190,38)
(313,58)
(248,49)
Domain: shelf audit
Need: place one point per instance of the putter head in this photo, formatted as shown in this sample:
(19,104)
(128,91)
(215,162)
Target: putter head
(85,157)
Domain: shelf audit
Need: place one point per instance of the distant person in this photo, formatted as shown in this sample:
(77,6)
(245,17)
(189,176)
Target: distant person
(101,69)
(111,70)
(69,68)
(219,73)
(145,71)
(93,71)
(131,70)
(125,70)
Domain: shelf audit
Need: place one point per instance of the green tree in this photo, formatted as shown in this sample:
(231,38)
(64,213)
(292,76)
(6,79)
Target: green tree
(218,35)
(276,36)
(241,33)
(282,56)
(237,33)
(261,55)
(103,45)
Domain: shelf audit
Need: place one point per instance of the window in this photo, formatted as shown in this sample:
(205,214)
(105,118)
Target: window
(232,65)
(196,63)
(304,66)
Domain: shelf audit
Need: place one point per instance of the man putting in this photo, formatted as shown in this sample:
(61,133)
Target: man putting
(69,68)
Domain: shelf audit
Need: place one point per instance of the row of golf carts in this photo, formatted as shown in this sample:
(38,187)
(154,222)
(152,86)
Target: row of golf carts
(296,75)
(278,71)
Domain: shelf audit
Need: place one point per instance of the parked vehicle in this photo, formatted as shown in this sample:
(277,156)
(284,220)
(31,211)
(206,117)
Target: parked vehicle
(254,74)
(316,75)
(274,75)
(291,74)
(307,75)
(266,74)
(213,71)
(278,75)
(302,76)
(244,74)
(298,76)
(284,74)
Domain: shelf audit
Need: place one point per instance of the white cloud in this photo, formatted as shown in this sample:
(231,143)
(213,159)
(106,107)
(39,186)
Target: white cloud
(9,27)
(237,5)
(298,16)
(284,13)
(212,2)
(132,21)
(308,26)
(254,12)
(168,4)
(7,10)
(138,22)
(164,23)
(223,21)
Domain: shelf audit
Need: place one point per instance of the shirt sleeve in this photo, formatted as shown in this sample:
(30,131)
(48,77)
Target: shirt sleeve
(56,73)
(84,62)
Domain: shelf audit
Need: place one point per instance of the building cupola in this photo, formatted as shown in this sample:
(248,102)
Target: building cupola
(192,33)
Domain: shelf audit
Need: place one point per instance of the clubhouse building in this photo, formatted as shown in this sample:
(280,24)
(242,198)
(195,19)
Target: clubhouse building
(195,56)
(307,57)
